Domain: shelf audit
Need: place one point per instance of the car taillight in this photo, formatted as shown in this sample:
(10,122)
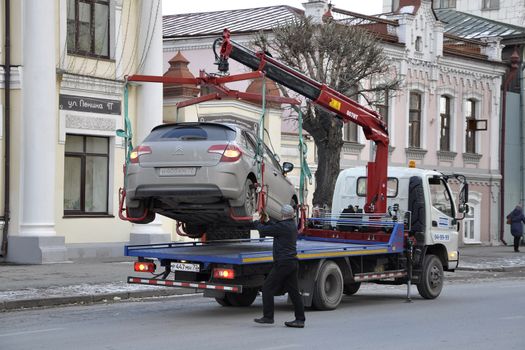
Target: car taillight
(137,152)
(224,273)
(144,266)
(230,153)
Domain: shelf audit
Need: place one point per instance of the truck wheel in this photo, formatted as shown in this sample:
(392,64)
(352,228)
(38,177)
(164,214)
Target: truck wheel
(246,298)
(223,301)
(431,279)
(351,288)
(328,290)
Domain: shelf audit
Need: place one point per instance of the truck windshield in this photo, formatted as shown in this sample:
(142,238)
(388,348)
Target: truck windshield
(440,195)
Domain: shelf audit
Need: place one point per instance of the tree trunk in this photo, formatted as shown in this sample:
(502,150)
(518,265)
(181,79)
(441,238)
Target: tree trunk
(326,131)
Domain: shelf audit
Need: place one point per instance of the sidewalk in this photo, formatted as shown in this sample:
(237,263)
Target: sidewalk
(104,280)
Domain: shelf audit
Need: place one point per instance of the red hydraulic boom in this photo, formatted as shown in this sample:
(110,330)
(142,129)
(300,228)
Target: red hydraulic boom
(350,111)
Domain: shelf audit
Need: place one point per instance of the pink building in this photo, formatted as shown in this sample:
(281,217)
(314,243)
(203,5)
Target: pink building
(446,116)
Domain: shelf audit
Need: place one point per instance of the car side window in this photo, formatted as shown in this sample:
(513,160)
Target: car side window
(248,142)
(269,156)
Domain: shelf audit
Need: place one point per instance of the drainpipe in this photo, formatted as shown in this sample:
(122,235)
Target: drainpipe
(514,62)
(7,125)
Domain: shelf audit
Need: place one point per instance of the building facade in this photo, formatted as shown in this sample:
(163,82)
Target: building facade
(68,60)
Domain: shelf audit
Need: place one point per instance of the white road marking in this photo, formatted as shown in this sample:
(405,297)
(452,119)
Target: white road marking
(517,317)
(31,332)
(289,346)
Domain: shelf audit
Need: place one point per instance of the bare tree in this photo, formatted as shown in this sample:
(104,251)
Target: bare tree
(349,59)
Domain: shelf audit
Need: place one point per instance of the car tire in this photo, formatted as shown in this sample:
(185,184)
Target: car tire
(351,288)
(194,230)
(246,298)
(219,234)
(223,301)
(138,212)
(250,200)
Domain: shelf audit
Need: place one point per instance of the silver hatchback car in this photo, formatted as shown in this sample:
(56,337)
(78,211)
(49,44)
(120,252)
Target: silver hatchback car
(204,176)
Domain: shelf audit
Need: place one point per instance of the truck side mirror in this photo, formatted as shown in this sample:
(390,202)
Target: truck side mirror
(463,195)
(287,167)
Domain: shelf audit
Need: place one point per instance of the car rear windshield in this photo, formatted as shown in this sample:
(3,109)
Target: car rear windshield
(192,133)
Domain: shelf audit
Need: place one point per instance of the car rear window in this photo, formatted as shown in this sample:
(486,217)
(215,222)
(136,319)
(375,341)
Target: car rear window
(192,133)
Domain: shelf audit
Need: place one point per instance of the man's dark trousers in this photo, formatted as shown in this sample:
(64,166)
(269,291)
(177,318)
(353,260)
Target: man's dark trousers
(284,274)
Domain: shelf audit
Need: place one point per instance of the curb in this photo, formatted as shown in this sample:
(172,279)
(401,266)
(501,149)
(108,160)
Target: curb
(492,269)
(11,305)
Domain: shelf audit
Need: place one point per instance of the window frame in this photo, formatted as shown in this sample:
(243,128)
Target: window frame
(389,180)
(445,116)
(83,157)
(412,143)
(470,140)
(444,4)
(489,5)
(92,50)
(383,104)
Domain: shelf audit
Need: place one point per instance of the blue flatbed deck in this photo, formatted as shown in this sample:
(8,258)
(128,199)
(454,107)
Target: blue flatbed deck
(260,250)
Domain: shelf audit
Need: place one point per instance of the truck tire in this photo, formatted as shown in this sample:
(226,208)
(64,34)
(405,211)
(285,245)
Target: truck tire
(246,298)
(351,288)
(416,205)
(328,290)
(431,279)
(223,301)
(195,231)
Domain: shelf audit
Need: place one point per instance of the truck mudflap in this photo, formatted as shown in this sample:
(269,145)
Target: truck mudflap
(184,284)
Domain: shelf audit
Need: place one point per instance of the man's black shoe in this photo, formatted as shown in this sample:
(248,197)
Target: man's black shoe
(295,324)
(264,320)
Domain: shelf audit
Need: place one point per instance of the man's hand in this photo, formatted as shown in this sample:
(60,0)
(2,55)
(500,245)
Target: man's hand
(264,217)
(256,216)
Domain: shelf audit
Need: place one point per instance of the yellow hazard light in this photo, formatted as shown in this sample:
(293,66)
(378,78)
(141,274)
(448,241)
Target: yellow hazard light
(411,163)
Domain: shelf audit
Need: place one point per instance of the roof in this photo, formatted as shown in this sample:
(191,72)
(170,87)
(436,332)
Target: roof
(474,27)
(237,21)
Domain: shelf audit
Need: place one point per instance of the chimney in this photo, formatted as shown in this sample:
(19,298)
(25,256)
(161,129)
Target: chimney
(316,9)
(408,6)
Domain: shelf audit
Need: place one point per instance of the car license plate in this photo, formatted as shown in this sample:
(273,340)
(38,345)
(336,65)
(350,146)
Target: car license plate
(180,171)
(185,267)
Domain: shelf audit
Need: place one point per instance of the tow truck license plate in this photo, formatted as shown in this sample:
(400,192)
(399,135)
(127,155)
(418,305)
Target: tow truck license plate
(177,171)
(185,267)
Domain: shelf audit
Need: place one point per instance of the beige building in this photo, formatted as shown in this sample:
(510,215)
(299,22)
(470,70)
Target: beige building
(67,62)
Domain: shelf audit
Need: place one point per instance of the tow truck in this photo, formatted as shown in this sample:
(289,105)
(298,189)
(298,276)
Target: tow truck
(388,225)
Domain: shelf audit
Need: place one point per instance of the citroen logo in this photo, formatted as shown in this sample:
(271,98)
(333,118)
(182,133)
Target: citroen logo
(178,151)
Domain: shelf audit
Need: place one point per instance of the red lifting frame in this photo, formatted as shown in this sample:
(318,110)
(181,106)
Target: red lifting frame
(350,111)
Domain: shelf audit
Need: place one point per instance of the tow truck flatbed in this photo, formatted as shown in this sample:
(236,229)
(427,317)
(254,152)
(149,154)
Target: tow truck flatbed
(253,251)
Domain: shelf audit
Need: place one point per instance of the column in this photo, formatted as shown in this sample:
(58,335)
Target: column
(37,241)
(149,101)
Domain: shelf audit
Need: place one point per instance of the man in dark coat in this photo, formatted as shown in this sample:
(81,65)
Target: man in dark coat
(516,220)
(284,273)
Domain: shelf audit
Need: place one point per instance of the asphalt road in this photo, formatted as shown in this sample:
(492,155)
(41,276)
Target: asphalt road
(486,314)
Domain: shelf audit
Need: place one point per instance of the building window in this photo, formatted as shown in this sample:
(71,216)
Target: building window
(414,121)
(86,175)
(444,112)
(382,104)
(444,4)
(88,27)
(470,140)
(419,43)
(350,132)
(490,5)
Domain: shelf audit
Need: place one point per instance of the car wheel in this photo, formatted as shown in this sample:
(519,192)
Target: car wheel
(195,231)
(431,279)
(250,199)
(328,290)
(138,212)
(218,234)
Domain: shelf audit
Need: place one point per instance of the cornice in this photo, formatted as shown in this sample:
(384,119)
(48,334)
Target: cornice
(91,85)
